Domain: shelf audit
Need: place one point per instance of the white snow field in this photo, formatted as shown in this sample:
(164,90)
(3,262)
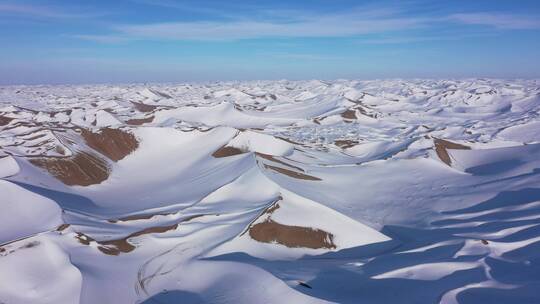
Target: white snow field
(418,191)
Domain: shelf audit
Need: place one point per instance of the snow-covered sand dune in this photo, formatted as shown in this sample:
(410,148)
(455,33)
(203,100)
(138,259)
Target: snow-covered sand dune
(393,191)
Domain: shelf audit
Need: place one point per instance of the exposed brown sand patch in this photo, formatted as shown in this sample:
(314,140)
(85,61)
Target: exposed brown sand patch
(30,245)
(5,120)
(349,114)
(363,111)
(318,120)
(122,245)
(292,174)
(137,217)
(113,143)
(114,247)
(345,143)
(291,236)
(226,151)
(266,213)
(82,169)
(141,107)
(139,121)
(84,239)
(272,158)
(62,227)
(441,147)
(270,231)
(275,206)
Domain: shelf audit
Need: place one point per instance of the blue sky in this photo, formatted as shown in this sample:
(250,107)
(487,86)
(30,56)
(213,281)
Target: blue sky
(175,41)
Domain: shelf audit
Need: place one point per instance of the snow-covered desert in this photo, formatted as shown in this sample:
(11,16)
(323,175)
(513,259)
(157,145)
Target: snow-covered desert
(384,191)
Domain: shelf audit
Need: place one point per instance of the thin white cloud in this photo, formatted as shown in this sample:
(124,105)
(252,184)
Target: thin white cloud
(332,25)
(18,10)
(102,38)
(498,20)
(395,22)
(423,38)
(302,56)
(182,6)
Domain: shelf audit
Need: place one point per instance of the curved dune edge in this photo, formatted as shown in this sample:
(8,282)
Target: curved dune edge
(269,231)
(82,169)
(442,146)
(90,166)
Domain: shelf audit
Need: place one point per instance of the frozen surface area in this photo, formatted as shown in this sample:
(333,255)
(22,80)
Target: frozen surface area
(421,191)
